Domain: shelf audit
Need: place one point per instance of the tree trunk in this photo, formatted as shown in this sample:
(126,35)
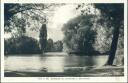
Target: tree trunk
(113,45)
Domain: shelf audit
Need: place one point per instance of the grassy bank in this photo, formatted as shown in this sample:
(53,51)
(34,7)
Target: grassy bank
(72,72)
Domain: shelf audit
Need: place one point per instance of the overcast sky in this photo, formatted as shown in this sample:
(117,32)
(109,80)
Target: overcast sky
(61,16)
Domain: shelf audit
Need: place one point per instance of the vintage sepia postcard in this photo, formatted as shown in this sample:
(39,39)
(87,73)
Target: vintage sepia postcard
(63,41)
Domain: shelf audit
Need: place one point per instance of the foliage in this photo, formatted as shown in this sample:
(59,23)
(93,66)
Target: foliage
(111,12)
(58,46)
(13,12)
(103,38)
(54,46)
(79,35)
(21,45)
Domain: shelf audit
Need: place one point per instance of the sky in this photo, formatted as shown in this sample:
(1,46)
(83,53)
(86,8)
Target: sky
(61,16)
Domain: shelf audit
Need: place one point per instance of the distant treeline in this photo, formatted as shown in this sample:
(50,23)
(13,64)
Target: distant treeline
(29,45)
(54,46)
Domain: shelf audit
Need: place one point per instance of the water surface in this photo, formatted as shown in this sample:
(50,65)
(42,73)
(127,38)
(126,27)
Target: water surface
(51,62)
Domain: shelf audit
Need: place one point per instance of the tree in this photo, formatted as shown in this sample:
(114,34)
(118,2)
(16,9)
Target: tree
(114,16)
(49,46)
(12,11)
(58,46)
(79,34)
(21,45)
(43,38)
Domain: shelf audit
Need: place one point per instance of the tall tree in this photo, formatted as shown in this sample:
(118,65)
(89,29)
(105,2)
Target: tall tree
(114,16)
(43,37)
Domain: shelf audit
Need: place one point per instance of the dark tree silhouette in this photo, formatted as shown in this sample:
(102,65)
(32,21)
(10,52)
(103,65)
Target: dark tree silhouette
(114,16)
(43,38)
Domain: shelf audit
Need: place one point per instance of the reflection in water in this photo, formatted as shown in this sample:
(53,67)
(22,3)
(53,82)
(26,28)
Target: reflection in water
(17,63)
(51,63)
(81,61)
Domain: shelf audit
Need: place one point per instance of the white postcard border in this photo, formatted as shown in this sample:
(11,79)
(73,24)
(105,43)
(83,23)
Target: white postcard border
(63,79)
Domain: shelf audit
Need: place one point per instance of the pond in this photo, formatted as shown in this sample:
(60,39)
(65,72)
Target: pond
(51,62)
